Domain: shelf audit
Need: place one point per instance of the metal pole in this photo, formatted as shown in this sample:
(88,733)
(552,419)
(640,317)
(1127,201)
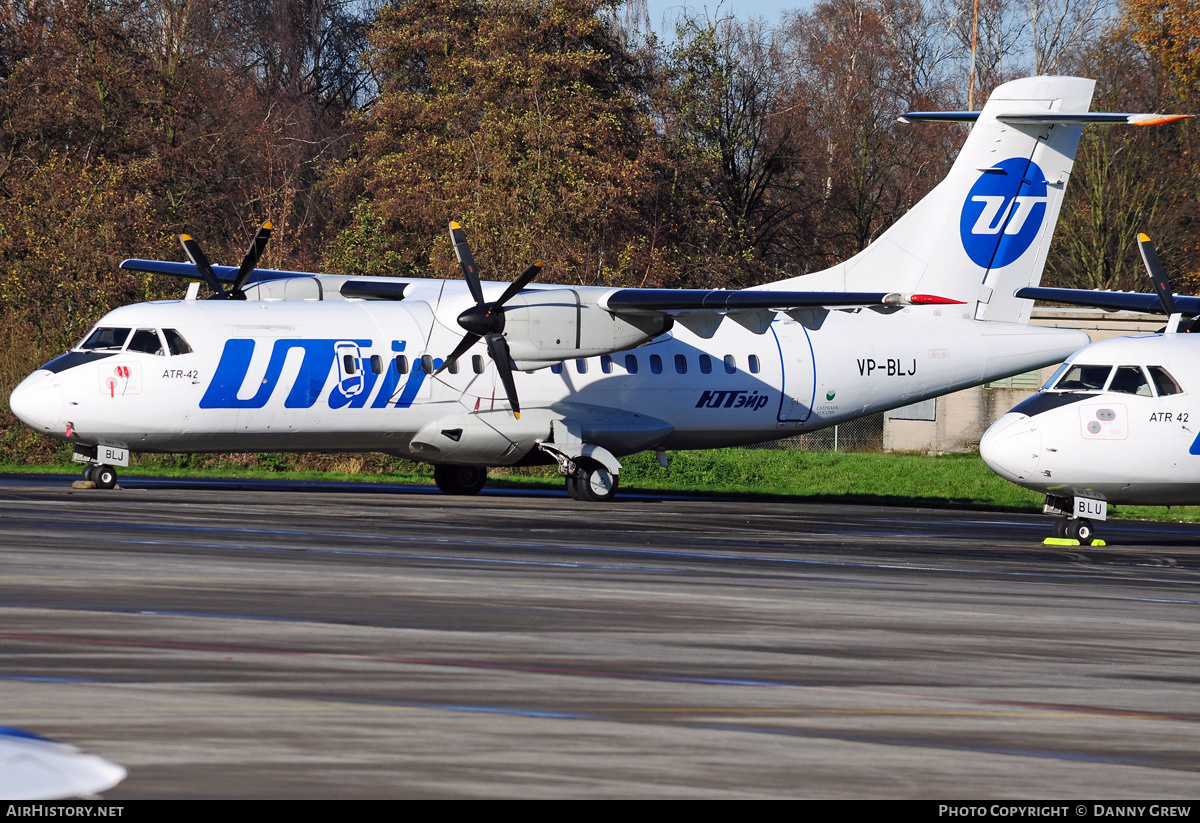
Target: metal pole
(974,37)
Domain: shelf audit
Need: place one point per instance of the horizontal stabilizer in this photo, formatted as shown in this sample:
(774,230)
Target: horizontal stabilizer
(668,300)
(1111,300)
(1095,118)
(1039,118)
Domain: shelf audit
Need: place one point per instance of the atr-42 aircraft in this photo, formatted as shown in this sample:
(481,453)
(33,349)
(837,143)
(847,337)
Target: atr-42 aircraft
(581,376)
(1118,422)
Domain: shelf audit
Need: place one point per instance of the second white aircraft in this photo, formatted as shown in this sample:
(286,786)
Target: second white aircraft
(1119,422)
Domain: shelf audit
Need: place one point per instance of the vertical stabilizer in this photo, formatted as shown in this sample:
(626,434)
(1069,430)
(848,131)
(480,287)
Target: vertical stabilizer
(985,230)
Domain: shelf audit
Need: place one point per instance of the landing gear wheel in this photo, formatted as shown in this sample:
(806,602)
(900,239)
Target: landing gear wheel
(1081,530)
(573,488)
(592,482)
(89,472)
(105,477)
(460,479)
(1060,527)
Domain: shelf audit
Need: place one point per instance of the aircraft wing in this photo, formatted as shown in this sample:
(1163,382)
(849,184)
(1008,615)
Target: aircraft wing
(720,300)
(225,274)
(367,288)
(1110,300)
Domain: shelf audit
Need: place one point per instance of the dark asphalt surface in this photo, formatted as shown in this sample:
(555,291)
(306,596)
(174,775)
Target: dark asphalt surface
(268,640)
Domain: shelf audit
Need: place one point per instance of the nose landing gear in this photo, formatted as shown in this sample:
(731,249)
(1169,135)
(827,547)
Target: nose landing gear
(104,476)
(1078,528)
(1069,530)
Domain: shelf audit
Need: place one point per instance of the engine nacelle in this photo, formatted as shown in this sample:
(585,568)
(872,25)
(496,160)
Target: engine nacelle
(548,326)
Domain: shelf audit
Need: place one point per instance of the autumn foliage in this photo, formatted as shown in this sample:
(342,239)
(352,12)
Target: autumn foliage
(725,154)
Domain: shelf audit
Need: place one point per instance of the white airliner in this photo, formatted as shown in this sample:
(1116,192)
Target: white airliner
(1119,422)
(579,377)
(37,768)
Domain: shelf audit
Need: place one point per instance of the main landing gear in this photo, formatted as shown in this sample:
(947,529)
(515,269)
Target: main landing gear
(460,479)
(591,481)
(592,476)
(105,477)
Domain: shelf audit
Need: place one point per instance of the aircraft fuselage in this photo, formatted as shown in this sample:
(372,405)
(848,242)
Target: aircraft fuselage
(356,375)
(1123,427)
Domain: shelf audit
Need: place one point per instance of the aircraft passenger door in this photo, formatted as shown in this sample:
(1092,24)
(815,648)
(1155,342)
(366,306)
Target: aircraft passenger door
(350,368)
(798,370)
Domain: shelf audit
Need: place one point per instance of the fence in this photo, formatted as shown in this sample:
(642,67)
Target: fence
(862,435)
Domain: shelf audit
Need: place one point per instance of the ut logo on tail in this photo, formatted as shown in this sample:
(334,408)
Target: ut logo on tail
(1003,212)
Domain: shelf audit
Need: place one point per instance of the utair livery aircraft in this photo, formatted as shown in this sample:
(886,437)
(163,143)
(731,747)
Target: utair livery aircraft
(581,376)
(1119,422)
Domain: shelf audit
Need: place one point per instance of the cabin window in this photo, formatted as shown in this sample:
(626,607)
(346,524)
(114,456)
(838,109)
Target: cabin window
(754,367)
(452,367)
(146,341)
(401,364)
(348,364)
(377,364)
(106,339)
(705,364)
(680,364)
(606,364)
(655,364)
(1130,380)
(477,363)
(175,342)
(1084,378)
(730,364)
(427,363)
(581,366)
(1164,382)
(631,364)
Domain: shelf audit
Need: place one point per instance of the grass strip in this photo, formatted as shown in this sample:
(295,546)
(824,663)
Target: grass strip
(896,479)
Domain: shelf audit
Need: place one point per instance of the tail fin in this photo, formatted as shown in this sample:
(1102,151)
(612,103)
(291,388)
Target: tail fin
(985,230)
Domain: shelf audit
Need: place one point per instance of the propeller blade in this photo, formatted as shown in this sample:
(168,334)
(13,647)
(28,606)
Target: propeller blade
(1157,274)
(250,261)
(467,342)
(516,286)
(192,249)
(498,349)
(463,252)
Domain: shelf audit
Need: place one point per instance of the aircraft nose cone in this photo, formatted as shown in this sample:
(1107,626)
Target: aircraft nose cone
(37,401)
(1012,447)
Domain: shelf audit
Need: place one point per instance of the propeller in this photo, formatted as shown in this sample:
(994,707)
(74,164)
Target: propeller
(1155,268)
(486,320)
(234,292)
(1159,276)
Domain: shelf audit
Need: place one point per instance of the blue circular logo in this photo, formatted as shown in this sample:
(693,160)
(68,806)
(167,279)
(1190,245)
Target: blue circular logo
(1003,212)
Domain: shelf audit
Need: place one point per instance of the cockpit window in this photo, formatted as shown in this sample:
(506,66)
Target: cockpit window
(176,343)
(1049,384)
(103,338)
(1164,382)
(1130,380)
(1083,378)
(146,340)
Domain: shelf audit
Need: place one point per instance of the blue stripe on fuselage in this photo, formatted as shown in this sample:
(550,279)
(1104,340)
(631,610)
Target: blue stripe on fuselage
(315,368)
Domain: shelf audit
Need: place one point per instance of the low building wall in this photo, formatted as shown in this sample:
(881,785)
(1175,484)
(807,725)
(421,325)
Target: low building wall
(955,422)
